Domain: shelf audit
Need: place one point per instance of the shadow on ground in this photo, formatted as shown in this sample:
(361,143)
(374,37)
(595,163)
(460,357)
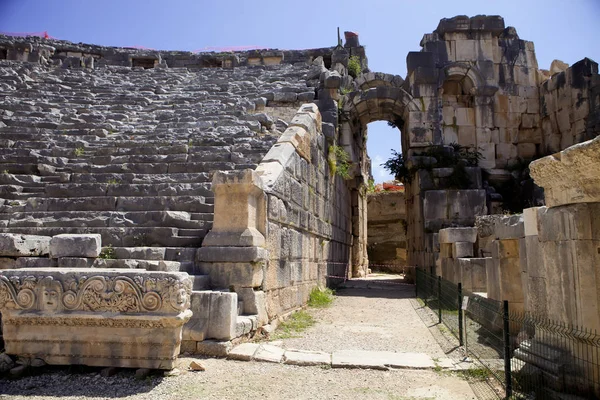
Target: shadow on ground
(78,381)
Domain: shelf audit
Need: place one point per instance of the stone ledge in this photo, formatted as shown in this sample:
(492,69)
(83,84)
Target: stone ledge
(231,254)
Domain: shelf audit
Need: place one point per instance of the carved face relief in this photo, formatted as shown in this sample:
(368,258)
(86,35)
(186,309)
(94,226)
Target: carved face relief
(179,298)
(50,295)
(50,300)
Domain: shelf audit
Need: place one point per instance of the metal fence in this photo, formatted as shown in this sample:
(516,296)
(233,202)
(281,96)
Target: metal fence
(530,356)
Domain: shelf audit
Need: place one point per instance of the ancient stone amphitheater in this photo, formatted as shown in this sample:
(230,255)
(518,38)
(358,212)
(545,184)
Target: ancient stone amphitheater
(232,184)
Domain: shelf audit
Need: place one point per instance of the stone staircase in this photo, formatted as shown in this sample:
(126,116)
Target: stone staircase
(129,153)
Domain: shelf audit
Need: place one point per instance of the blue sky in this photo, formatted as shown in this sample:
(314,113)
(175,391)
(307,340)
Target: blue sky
(564,29)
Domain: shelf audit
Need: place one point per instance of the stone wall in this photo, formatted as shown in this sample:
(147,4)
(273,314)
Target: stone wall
(279,230)
(563,240)
(386,230)
(570,107)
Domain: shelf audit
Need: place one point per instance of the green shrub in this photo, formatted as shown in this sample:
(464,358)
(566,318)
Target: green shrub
(79,151)
(320,298)
(339,162)
(354,68)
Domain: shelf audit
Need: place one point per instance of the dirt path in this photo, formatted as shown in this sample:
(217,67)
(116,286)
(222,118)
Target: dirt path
(369,319)
(360,319)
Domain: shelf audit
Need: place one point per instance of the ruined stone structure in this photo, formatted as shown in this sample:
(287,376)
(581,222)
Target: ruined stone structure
(386,231)
(224,165)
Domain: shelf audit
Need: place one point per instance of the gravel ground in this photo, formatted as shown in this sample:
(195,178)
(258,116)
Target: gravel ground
(241,380)
(369,319)
(365,319)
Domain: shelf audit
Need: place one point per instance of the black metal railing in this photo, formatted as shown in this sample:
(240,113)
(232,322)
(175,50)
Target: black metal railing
(530,356)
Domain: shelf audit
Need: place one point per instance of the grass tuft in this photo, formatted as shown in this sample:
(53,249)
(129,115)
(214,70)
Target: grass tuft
(298,322)
(320,298)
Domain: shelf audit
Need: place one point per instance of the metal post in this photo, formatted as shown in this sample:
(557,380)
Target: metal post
(439,299)
(506,339)
(416,283)
(460,316)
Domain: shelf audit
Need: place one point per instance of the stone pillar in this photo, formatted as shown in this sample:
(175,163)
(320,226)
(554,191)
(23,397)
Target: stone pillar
(360,261)
(233,252)
(532,265)
(240,216)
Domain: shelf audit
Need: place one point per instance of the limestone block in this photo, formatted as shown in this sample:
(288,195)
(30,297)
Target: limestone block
(569,222)
(467,136)
(473,274)
(465,116)
(450,135)
(75,262)
(462,249)
(15,245)
(97,317)
(530,221)
(223,315)
(240,210)
(526,151)
(299,138)
(505,248)
(236,274)
(72,245)
(492,270)
(499,226)
(488,155)
(197,327)
(453,235)
(571,176)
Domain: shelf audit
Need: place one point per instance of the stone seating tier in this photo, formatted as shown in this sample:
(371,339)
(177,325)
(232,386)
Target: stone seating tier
(129,153)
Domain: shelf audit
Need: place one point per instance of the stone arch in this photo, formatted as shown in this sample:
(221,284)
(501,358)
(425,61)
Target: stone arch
(380,103)
(385,103)
(468,73)
(375,79)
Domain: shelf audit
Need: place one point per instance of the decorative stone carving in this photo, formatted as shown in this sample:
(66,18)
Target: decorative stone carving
(95,317)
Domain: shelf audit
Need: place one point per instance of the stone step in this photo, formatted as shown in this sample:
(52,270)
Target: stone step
(120,237)
(116,189)
(106,219)
(181,254)
(192,204)
(149,265)
(130,178)
(200,282)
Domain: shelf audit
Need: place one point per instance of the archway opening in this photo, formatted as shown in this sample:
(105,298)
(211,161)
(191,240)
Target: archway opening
(386,206)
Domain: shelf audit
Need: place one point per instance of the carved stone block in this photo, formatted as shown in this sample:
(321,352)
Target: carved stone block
(95,317)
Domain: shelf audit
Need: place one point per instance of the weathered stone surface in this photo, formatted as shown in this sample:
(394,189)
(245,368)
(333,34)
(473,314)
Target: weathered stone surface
(72,316)
(15,245)
(244,351)
(68,245)
(380,360)
(239,210)
(306,358)
(269,353)
(571,176)
(453,235)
